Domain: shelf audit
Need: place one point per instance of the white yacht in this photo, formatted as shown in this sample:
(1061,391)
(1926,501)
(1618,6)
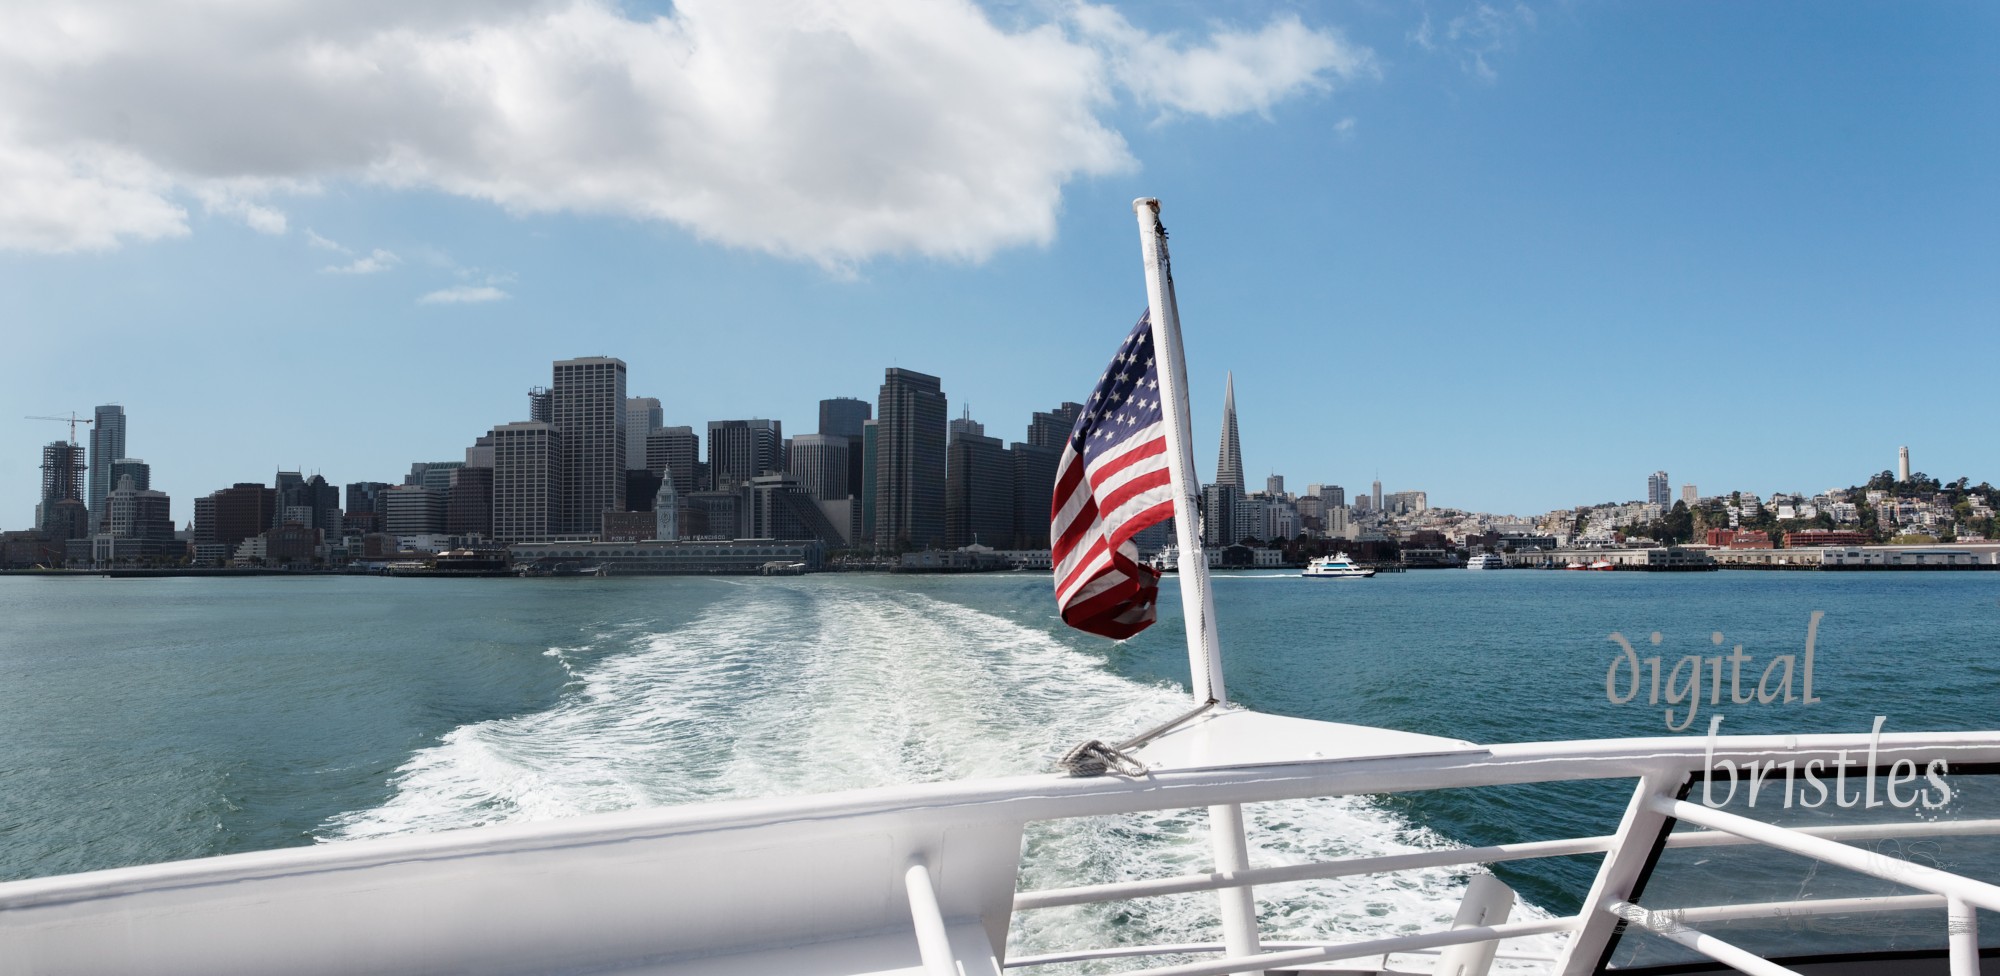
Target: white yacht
(1486,560)
(1336,567)
(924,880)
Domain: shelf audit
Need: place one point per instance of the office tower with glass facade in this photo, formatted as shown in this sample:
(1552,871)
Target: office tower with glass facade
(642,417)
(910,461)
(107,445)
(587,402)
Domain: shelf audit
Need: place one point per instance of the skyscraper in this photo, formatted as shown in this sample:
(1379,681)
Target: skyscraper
(107,444)
(1375,496)
(674,454)
(366,507)
(415,510)
(1689,495)
(1229,467)
(739,450)
(871,435)
(324,501)
(140,475)
(1034,489)
(468,507)
(1221,517)
(978,489)
(139,471)
(540,407)
(527,472)
(587,402)
(965,425)
(844,417)
(1274,486)
(1657,492)
(62,513)
(1051,429)
(819,463)
(242,511)
(642,417)
(291,506)
(910,461)
(1330,496)
(141,517)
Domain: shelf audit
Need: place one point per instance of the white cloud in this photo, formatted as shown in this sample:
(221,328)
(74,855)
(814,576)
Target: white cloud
(84,197)
(463,295)
(375,261)
(1233,72)
(238,198)
(829,130)
(1482,31)
(323,243)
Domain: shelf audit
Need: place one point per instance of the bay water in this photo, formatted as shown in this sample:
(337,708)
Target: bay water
(151,720)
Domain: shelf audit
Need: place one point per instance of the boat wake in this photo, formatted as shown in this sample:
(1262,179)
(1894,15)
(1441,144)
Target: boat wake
(810,687)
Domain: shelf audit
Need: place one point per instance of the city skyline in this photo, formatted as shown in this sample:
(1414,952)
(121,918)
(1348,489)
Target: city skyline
(1445,199)
(772,451)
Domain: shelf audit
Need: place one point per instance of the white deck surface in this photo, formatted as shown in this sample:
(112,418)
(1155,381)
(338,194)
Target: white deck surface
(1238,738)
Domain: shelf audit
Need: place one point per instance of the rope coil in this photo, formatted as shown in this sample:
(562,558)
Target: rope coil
(1096,758)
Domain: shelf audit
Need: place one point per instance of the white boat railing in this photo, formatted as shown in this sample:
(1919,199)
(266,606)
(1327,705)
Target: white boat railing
(926,876)
(1654,805)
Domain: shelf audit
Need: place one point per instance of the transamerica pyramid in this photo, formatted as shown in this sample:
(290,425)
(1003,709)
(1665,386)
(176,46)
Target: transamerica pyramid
(1229,468)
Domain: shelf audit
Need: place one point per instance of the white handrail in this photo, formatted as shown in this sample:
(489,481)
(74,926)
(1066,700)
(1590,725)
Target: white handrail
(933,940)
(1667,926)
(1833,852)
(1803,907)
(1843,832)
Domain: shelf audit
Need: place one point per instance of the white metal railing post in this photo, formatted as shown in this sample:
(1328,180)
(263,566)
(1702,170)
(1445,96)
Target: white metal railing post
(1239,904)
(1631,846)
(1962,928)
(933,940)
(1225,823)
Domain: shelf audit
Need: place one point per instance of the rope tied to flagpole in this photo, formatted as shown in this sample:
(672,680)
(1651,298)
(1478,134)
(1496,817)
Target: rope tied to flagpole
(1096,758)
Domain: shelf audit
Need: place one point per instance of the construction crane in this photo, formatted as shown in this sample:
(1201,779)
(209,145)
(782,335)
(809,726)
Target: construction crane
(72,420)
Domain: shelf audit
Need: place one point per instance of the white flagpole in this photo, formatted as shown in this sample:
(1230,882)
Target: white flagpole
(1225,822)
(1197,603)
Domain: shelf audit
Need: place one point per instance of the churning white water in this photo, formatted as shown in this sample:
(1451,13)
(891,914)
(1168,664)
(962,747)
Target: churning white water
(807,688)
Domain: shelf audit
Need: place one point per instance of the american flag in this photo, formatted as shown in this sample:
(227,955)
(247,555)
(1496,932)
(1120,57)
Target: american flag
(1111,484)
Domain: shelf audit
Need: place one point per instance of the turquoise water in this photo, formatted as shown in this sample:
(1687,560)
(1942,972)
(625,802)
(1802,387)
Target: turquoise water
(149,720)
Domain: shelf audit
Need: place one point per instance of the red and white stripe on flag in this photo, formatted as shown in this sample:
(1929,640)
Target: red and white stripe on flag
(1111,484)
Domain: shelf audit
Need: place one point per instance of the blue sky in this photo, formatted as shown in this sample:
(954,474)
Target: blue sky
(1517,256)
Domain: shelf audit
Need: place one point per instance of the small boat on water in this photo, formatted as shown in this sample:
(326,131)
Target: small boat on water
(1336,567)
(1486,560)
(1602,566)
